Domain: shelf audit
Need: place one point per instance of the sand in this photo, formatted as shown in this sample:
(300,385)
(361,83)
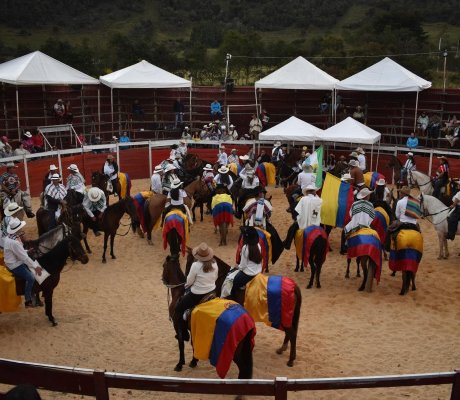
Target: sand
(114,316)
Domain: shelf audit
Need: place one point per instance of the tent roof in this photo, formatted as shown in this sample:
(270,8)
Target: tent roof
(292,129)
(384,76)
(298,74)
(350,131)
(39,69)
(143,75)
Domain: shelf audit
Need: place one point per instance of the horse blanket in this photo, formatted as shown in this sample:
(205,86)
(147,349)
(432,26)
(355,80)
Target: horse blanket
(139,202)
(9,300)
(366,242)
(235,168)
(177,220)
(125,184)
(265,247)
(380,223)
(271,300)
(406,253)
(222,209)
(218,326)
(371,178)
(266,172)
(304,240)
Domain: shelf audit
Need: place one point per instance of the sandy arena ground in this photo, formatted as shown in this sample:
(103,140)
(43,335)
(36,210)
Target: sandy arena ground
(114,317)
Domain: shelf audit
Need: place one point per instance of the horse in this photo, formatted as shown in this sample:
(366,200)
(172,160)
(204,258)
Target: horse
(200,193)
(100,180)
(174,279)
(420,180)
(396,166)
(311,246)
(222,214)
(290,333)
(175,231)
(51,250)
(111,222)
(436,212)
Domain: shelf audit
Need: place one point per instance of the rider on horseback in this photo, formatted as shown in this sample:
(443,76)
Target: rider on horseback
(110,169)
(10,212)
(442,176)
(155,181)
(76,182)
(407,212)
(54,199)
(47,179)
(258,210)
(11,190)
(356,173)
(95,204)
(176,198)
(304,179)
(409,166)
(454,217)
(249,183)
(169,177)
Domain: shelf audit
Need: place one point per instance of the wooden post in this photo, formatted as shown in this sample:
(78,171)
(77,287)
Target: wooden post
(100,386)
(281,388)
(455,394)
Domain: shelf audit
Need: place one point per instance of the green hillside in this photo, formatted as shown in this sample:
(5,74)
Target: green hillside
(191,37)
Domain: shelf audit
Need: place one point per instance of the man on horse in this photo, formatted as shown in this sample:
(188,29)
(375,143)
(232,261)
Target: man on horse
(248,185)
(407,212)
(47,179)
(304,179)
(356,173)
(11,190)
(18,261)
(233,157)
(222,158)
(408,167)
(361,159)
(258,210)
(110,169)
(442,176)
(54,196)
(11,211)
(76,182)
(224,177)
(277,159)
(454,216)
(155,181)
(95,204)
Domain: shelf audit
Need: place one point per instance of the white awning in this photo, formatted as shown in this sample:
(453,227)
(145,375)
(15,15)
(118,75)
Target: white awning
(350,131)
(292,129)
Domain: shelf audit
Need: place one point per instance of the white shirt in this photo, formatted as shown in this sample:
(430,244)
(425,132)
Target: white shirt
(280,153)
(222,158)
(156,183)
(306,178)
(362,161)
(455,198)
(246,265)
(201,282)
(15,254)
(57,192)
(218,180)
(400,212)
(182,196)
(76,182)
(246,185)
(182,150)
(91,206)
(309,211)
(409,165)
(109,170)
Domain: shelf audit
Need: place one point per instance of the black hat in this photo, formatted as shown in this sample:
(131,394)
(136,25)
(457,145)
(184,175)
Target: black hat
(250,235)
(259,190)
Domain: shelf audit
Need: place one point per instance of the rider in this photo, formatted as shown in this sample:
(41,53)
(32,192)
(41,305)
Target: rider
(224,177)
(172,153)
(208,177)
(201,281)
(442,176)
(95,204)
(168,178)
(277,158)
(155,181)
(407,212)
(304,179)
(176,198)
(258,210)
(11,190)
(10,212)
(47,179)
(54,196)
(454,217)
(110,169)
(182,149)
(18,261)
(76,182)
(361,159)
(308,213)
(233,157)
(249,182)
(357,177)
(250,261)
(409,166)
(222,158)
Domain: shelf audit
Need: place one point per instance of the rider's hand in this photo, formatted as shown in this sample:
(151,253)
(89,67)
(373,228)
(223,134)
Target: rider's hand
(38,271)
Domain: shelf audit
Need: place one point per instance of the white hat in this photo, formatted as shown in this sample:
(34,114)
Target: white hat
(207,167)
(277,144)
(205,126)
(169,167)
(222,147)
(345,177)
(363,193)
(353,154)
(11,164)
(360,150)
(223,170)
(15,225)
(232,126)
(158,168)
(410,154)
(55,177)
(223,127)
(28,134)
(53,167)
(187,128)
(176,183)
(12,208)
(94,194)
(354,163)
(244,158)
(73,167)
(183,141)
(381,182)
(309,187)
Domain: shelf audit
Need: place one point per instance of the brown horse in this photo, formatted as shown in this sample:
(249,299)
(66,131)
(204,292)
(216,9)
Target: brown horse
(199,191)
(174,279)
(98,179)
(51,250)
(110,223)
(290,334)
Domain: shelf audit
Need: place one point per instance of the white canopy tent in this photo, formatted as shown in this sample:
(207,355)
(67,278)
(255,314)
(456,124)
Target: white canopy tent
(39,69)
(292,129)
(385,76)
(144,75)
(299,74)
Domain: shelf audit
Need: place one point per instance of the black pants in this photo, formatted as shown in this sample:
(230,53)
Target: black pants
(240,280)
(52,219)
(242,199)
(438,184)
(188,301)
(452,223)
(291,235)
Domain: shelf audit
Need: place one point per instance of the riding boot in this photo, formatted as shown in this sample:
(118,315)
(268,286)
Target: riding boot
(183,330)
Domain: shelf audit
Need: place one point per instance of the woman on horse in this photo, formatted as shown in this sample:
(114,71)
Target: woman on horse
(110,169)
(409,166)
(176,198)
(95,204)
(251,259)
(76,182)
(201,281)
(54,196)
(442,176)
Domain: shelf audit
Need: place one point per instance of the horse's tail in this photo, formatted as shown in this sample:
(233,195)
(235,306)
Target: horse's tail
(147,216)
(297,307)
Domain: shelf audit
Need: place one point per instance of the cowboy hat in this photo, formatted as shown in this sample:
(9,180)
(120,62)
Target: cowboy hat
(234,150)
(250,235)
(15,225)
(309,187)
(360,150)
(223,170)
(205,126)
(381,182)
(222,147)
(442,158)
(353,154)
(346,177)
(73,167)
(53,167)
(11,164)
(244,158)
(405,190)
(203,252)
(187,128)
(55,177)
(231,126)
(305,148)
(158,168)
(183,141)
(169,167)
(94,194)
(12,208)
(410,154)
(176,183)
(363,193)
(354,163)
(207,167)
(28,134)
(277,144)
(110,157)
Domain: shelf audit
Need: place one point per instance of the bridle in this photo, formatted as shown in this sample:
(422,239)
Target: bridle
(425,214)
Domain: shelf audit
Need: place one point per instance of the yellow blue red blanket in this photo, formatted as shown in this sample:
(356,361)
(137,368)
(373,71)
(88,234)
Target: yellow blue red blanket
(176,219)
(9,301)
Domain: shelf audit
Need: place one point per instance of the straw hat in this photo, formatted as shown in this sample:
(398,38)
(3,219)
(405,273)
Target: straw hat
(405,190)
(205,126)
(345,177)
(363,193)
(11,164)
(73,167)
(94,194)
(353,154)
(277,144)
(309,188)
(176,183)
(186,128)
(223,170)
(28,134)
(203,252)
(360,150)
(53,167)
(410,154)
(110,157)
(157,169)
(231,126)
(55,177)
(244,158)
(207,167)
(381,182)
(12,209)
(15,225)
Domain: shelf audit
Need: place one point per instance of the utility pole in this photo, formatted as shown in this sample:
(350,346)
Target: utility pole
(228,57)
(445,64)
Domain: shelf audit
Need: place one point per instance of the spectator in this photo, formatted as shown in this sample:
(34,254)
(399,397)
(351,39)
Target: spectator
(451,124)
(434,127)
(255,127)
(232,132)
(38,143)
(456,136)
(59,109)
(21,151)
(412,141)
(138,110)
(186,133)
(358,115)
(422,123)
(216,110)
(82,139)
(204,134)
(179,110)
(28,142)
(324,105)
(95,141)
(124,138)
(265,118)
(5,148)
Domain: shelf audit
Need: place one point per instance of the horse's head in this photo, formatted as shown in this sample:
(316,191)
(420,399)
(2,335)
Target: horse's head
(172,273)
(98,180)
(190,260)
(130,209)
(74,237)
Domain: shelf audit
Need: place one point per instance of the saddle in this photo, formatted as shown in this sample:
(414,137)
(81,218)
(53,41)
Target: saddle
(187,314)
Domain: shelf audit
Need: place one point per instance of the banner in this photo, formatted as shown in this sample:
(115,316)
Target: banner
(337,200)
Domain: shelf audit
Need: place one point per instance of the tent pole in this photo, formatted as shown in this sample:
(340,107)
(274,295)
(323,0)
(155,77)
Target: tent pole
(150,159)
(335,106)
(111,108)
(372,155)
(255,95)
(99,108)
(378,153)
(416,107)
(190,104)
(17,112)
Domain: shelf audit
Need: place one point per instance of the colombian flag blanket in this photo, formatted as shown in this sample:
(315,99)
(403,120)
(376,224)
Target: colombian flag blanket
(9,301)
(235,168)
(304,240)
(271,300)
(366,242)
(139,203)
(266,173)
(406,253)
(222,209)
(177,220)
(337,200)
(380,223)
(265,247)
(371,178)
(218,326)
(125,184)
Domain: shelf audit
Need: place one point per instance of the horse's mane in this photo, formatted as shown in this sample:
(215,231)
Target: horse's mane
(48,240)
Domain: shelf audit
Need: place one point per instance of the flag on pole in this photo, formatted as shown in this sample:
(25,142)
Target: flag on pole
(337,199)
(316,162)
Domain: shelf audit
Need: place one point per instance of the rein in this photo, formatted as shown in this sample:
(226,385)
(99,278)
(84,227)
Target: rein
(168,293)
(431,214)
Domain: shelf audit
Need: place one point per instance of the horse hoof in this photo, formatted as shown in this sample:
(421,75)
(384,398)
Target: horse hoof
(446,257)
(302,270)
(309,286)
(104,261)
(358,275)
(347,276)
(114,258)
(318,286)
(279,351)
(290,363)
(89,251)
(193,364)
(178,368)
(296,270)
(360,289)
(54,323)
(439,257)
(150,242)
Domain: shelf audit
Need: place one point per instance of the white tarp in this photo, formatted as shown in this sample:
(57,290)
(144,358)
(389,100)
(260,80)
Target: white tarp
(384,76)
(298,74)
(143,75)
(350,131)
(293,129)
(39,69)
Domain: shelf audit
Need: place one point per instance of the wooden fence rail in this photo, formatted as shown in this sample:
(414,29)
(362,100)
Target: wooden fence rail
(96,383)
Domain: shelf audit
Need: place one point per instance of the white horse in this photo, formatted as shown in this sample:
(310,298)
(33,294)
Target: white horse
(420,180)
(436,212)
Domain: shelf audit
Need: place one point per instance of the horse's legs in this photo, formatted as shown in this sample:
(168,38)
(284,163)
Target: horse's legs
(85,241)
(358,262)
(112,239)
(370,275)
(312,273)
(412,278)
(297,264)
(48,294)
(441,237)
(284,346)
(293,350)
(347,274)
(404,283)
(365,272)
(181,362)
(193,211)
(243,358)
(318,274)
(106,236)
